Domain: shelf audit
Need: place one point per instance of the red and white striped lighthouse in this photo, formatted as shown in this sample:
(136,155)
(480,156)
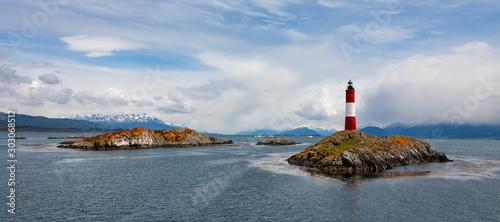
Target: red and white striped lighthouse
(350,111)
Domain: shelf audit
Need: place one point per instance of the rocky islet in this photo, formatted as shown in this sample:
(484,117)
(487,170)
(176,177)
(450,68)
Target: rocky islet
(354,152)
(277,142)
(141,138)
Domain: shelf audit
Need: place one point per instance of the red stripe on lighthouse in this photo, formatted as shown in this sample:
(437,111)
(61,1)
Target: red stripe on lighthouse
(349,96)
(350,123)
(350,110)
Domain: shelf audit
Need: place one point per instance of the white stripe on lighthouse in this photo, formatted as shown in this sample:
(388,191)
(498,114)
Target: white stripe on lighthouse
(349,109)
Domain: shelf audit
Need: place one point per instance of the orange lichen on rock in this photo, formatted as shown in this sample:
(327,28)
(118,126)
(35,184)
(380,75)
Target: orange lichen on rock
(176,135)
(401,140)
(104,138)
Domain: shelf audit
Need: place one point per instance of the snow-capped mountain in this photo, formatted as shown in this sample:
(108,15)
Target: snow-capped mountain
(127,121)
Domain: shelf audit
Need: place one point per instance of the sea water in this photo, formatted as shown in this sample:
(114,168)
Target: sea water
(243,182)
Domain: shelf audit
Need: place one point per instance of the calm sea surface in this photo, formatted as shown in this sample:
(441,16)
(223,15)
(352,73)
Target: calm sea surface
(243,182)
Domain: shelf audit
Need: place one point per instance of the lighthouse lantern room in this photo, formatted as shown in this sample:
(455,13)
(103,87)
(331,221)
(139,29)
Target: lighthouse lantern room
(350,111)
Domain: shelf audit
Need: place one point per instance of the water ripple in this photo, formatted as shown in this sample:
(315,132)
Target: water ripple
(468,168)
(463,168)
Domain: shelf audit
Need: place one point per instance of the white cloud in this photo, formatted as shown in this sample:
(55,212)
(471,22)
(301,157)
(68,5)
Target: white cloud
(296,35)
(9,76)
(34,94)
(266,90)
(223,6)
(461,87)
(390,34)
(111,98)
(350,28)
(435,32)
(46,94)
(321,106)
(212,89)
(473,47)
(18,90)
(4,58)
(378,34)
(331,3)
(51,79)
(174,102)
(98,46)
(391,12)
(275,7)
(234,65)
(98,54)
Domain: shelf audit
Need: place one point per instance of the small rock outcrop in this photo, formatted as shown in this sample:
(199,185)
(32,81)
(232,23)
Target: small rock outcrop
(277,142)
(141,138)
(353,152)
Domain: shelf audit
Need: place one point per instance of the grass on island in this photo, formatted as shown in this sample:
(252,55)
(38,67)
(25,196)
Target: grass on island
(345,145)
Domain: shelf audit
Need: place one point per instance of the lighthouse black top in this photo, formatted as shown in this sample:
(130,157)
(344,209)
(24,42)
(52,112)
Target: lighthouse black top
(349,85)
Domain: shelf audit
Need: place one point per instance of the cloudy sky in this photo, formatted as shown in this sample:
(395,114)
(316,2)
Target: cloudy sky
(232,65)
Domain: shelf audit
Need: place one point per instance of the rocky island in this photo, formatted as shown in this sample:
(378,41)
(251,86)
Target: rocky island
(277,142)
(354,152)
(141,138)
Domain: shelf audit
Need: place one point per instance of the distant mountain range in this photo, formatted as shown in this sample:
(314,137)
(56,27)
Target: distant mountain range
(430,131)
(301,131)
(94,122)
(442,130)
(41,123)
(375,131)
(127,121)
